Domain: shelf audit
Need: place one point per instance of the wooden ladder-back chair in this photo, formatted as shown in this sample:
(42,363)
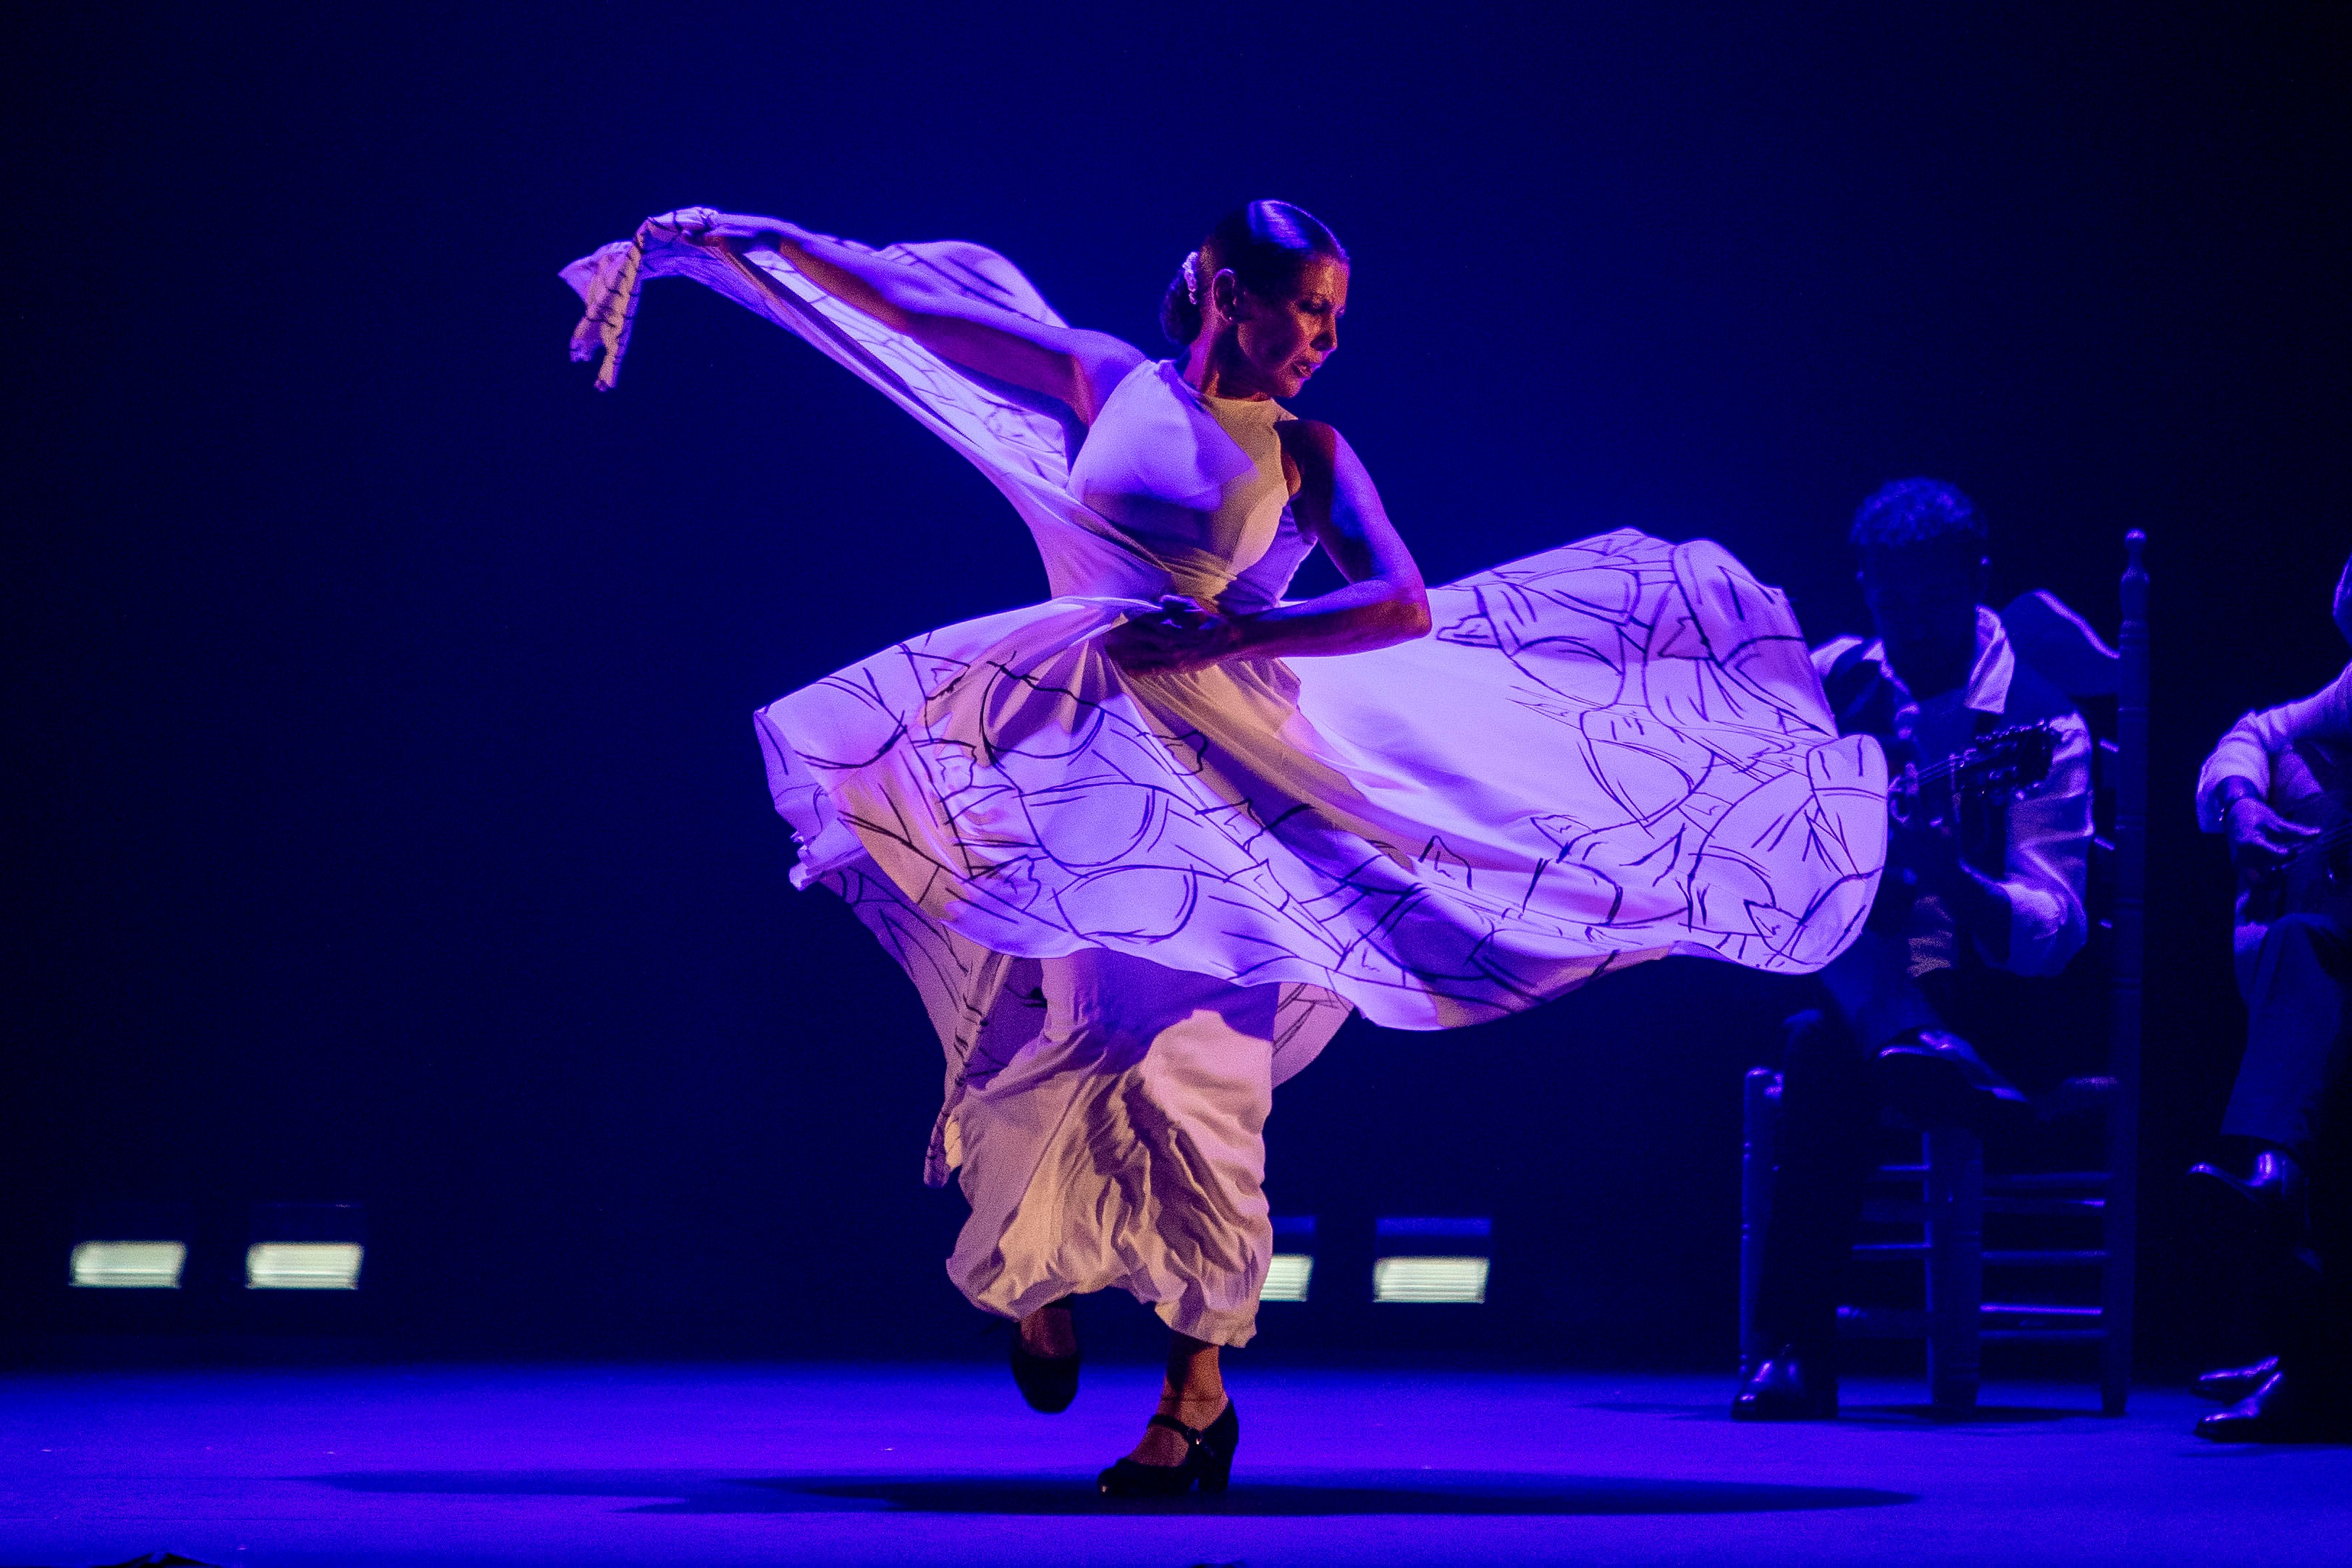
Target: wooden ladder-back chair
(1946,1194)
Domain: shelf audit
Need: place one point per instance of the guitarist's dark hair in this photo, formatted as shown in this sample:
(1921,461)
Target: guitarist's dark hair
(1909,514)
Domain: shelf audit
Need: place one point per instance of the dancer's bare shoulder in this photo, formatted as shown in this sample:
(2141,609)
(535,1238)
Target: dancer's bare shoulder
(1311,460)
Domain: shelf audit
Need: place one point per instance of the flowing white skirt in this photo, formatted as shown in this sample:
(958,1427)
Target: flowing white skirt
(1605,753)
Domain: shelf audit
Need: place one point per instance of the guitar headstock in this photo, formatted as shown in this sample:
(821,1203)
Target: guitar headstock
(2007,761)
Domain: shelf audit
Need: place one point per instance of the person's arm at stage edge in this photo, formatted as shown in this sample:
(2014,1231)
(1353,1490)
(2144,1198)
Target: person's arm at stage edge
(2232,797)
(1078,367)
(2233,786)
(2238,769)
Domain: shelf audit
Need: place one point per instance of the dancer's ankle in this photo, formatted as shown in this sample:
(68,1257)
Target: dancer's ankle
(1178,1401)
(1193,1375)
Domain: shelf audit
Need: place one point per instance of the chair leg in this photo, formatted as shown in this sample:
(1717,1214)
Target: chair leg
(1758,1157)
(1955,1265)
(2117,1234)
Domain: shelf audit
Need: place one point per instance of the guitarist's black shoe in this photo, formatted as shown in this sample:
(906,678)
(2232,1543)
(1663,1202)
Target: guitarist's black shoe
(2273,1185)
(2280,1411)
(1788,1386)
(1937,1079)
(2272,1199)
(2231,1384)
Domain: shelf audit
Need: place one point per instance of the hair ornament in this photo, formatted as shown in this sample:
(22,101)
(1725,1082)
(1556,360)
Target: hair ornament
(1193,277)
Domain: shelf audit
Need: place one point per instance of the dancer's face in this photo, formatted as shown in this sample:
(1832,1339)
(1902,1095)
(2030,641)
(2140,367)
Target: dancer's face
(1275,345)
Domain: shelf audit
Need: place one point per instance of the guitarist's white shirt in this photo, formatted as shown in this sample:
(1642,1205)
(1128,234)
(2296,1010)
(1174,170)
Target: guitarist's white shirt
(2322,721)
(2048,848)
(2319,728)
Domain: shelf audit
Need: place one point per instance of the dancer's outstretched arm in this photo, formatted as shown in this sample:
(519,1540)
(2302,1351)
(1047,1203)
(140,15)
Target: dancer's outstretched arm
(1338,505)
(1078,367)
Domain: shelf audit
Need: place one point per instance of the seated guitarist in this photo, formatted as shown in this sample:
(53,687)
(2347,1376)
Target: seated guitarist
(2002,886)
(2275,777)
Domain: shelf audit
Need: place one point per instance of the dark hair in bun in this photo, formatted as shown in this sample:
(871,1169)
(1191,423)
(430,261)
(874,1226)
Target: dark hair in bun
(1265,243)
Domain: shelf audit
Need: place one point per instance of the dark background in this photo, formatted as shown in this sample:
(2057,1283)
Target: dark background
(388,826)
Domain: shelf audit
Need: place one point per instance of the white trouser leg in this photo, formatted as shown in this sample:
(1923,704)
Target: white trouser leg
(1125,1146)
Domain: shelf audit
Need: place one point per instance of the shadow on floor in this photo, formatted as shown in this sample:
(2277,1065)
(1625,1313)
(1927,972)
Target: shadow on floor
(1881,1417)
(1411,1492)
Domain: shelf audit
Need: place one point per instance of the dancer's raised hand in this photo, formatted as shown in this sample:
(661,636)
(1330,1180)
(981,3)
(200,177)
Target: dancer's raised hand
(706,225)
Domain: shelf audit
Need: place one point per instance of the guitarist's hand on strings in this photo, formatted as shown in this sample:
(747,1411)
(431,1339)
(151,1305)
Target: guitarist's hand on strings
(2260,838)
(1923,840)
(1925,844)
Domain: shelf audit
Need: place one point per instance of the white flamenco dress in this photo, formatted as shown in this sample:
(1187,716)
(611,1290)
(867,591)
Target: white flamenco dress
(1134,904)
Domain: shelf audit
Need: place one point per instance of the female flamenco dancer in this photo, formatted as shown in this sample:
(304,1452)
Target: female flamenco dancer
(1143,847)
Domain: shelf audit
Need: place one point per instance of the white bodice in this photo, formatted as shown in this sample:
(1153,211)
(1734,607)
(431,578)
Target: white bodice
(1196,482)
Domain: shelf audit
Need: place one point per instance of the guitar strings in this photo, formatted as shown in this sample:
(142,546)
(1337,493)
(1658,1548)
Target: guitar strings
(2325,844)
(2005,740)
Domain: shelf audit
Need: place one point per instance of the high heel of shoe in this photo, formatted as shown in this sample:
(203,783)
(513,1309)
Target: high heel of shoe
(1049,1383)
(1208,1461)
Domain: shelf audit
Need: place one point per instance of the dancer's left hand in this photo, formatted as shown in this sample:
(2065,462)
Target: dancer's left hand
(1182,634)
(706,227)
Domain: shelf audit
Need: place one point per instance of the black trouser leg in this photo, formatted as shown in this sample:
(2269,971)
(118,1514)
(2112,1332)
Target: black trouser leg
(2316,1341)
(1828,1114)
(2295,1034)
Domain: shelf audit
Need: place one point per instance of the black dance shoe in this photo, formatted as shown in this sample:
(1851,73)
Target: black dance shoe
(2272,1185)
(1788,1385)
(1208,1460)
(2231,1384)
(1047,1382)
(1936,1080)
(2280,1411)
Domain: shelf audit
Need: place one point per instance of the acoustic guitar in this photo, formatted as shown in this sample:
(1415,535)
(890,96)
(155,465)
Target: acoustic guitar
(1978,784)
(2000,766)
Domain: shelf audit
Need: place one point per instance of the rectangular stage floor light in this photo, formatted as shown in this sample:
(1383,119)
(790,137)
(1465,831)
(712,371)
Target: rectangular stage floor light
(129,1265)
(1288,1276)
(1455,1280)
(303,1266)
(306,1247)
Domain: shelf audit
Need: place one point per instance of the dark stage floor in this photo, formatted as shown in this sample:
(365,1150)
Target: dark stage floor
(734,1465)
